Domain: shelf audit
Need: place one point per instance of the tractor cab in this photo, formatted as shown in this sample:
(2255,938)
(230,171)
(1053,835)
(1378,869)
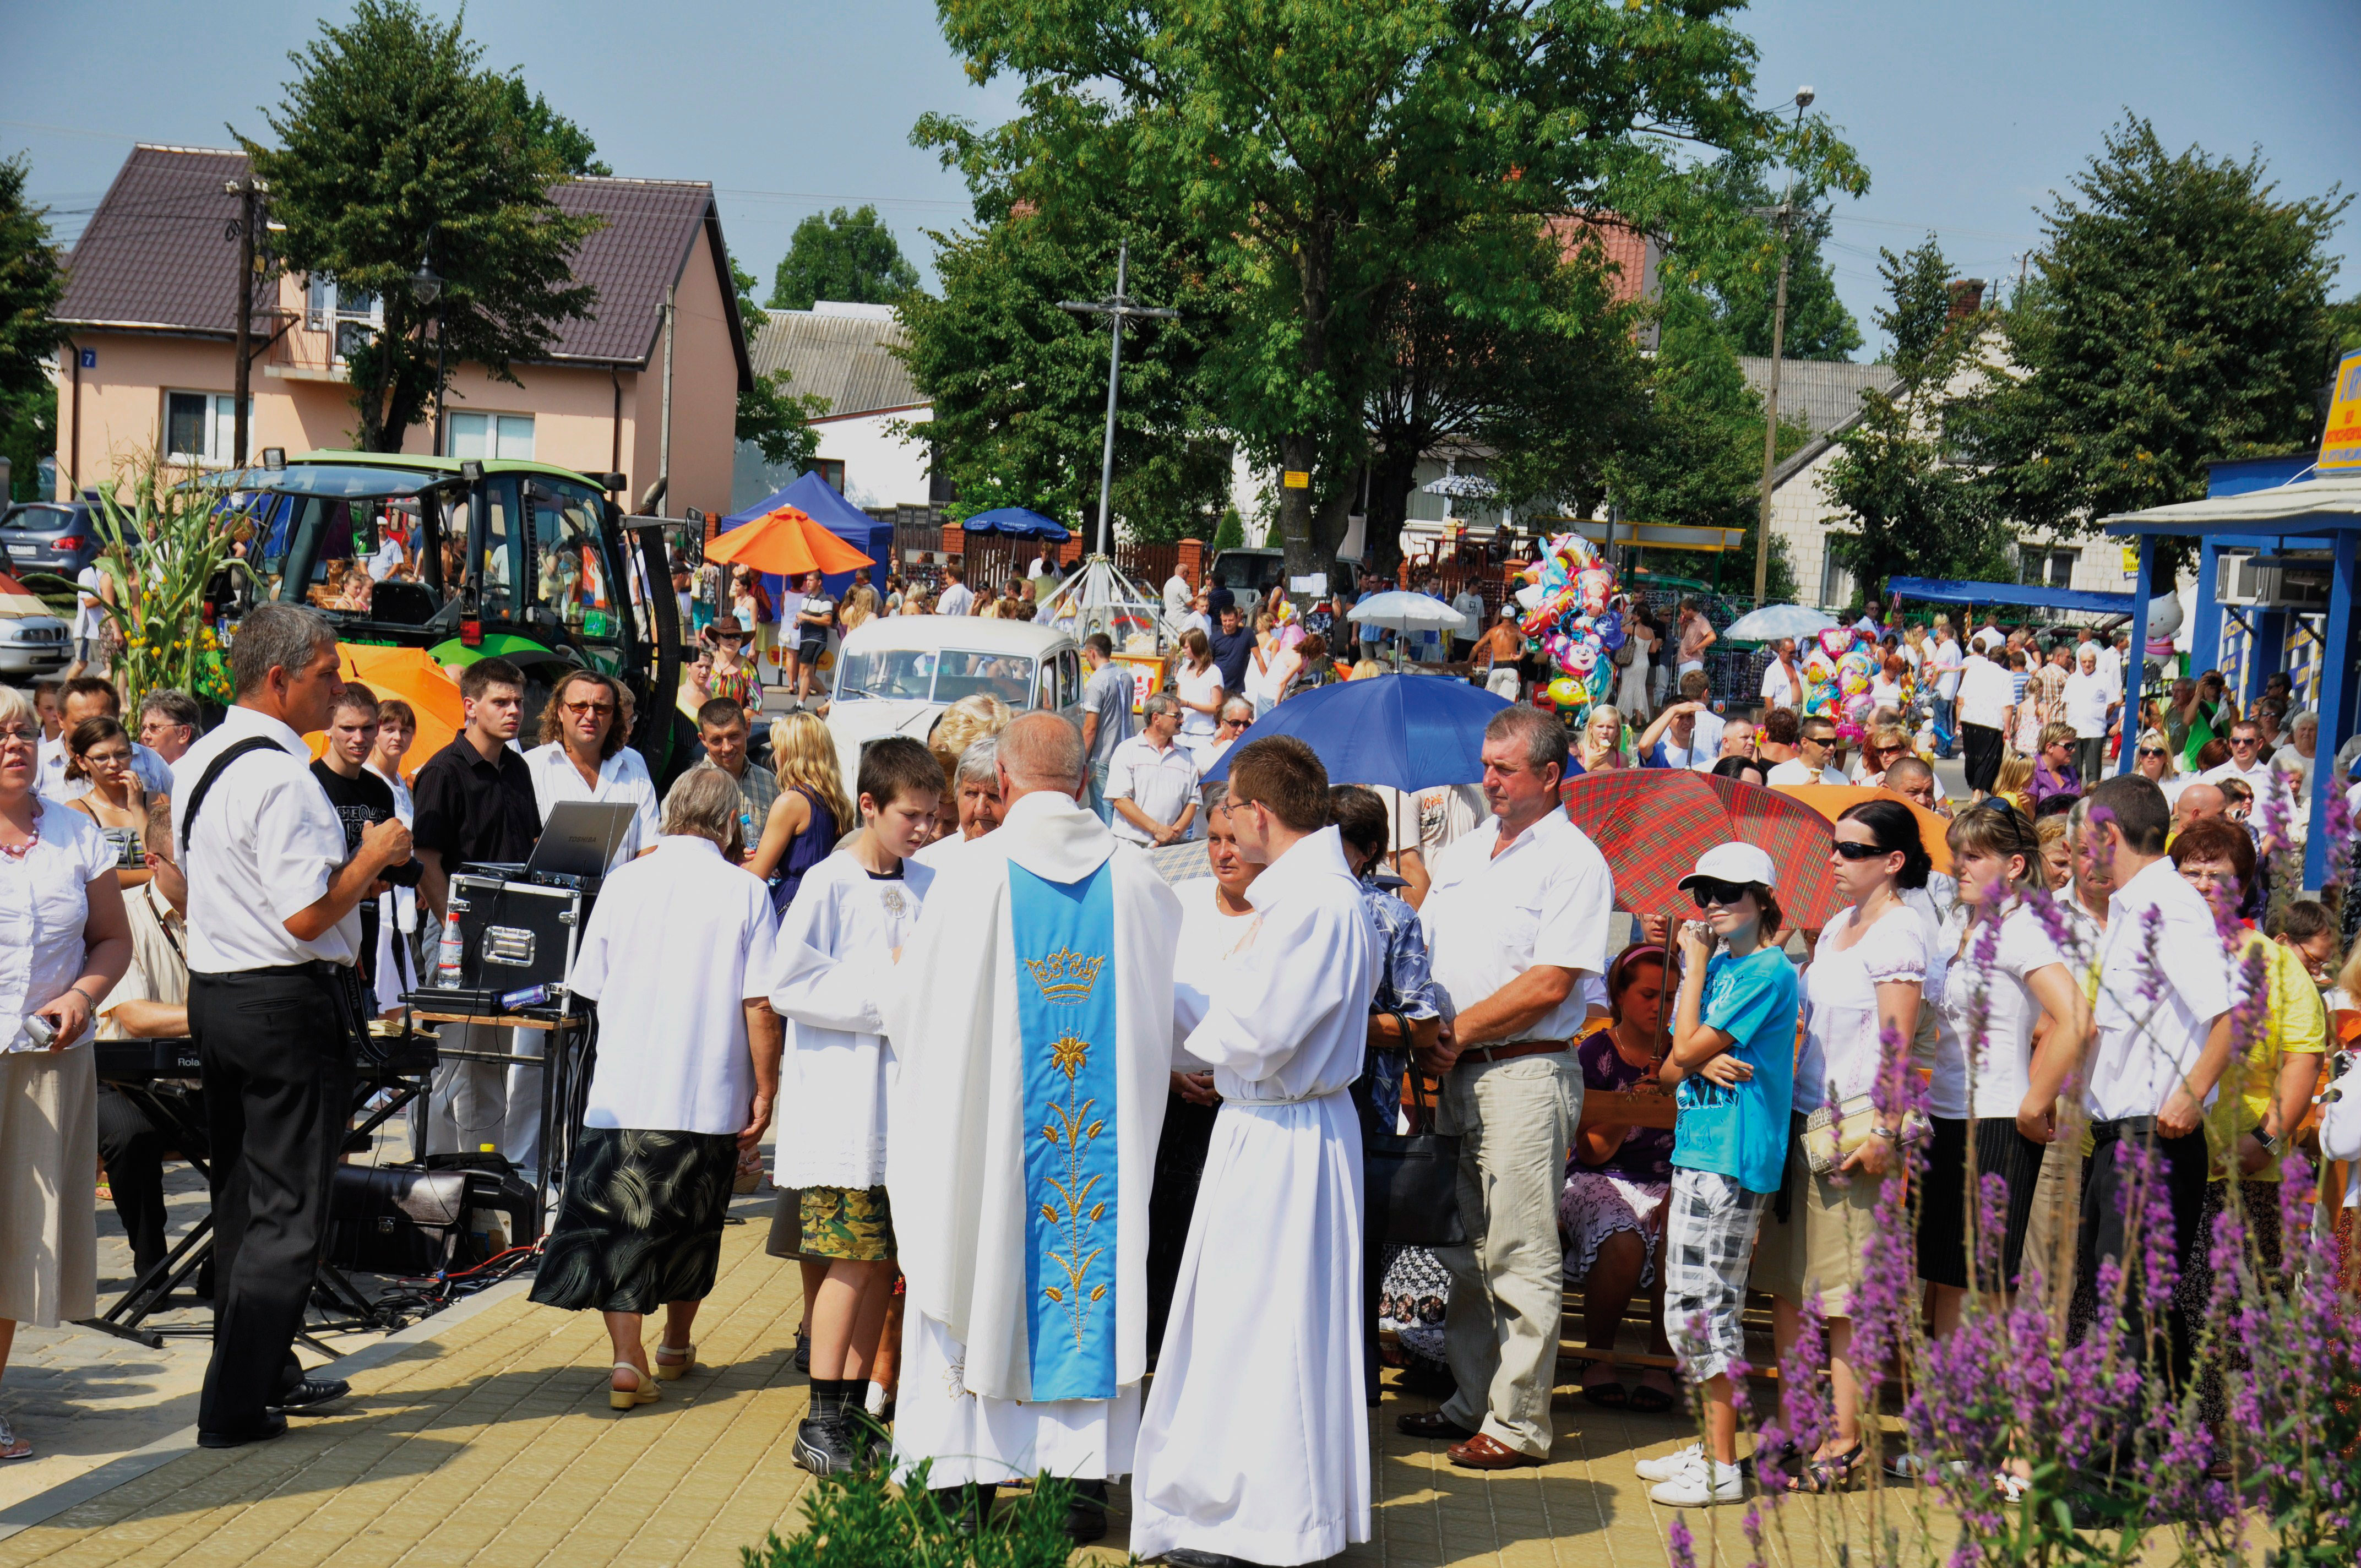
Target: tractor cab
(525,560)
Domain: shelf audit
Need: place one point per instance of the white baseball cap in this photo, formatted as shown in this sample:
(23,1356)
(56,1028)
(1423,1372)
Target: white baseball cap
(1734,862)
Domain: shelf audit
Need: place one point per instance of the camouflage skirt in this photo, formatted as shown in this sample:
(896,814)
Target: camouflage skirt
(640,1225)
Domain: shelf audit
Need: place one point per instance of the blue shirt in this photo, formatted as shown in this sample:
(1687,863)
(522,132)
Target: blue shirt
(1405,985)
(1742,1132)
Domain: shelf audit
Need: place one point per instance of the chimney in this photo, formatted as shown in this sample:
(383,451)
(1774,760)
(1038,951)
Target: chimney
(1967,297)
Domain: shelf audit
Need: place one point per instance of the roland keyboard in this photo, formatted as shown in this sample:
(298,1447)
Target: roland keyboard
(143,1061)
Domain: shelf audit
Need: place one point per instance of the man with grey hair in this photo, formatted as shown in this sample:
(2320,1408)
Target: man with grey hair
(1106,714)
(1517,920)
(274,1004)
(1152,780)
(169,723)
(1038,977)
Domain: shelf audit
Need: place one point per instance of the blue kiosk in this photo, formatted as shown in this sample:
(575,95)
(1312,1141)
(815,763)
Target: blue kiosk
(2290,530)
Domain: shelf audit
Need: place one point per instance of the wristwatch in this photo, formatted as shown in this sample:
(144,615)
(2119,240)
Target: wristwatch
(1891,1135)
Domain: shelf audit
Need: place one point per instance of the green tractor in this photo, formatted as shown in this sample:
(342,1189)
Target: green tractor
(525,560)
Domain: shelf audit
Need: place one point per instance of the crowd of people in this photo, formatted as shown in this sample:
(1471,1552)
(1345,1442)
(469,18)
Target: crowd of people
(1050,1116)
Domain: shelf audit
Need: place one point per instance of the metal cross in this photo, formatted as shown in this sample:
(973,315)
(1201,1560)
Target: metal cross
(1117,307)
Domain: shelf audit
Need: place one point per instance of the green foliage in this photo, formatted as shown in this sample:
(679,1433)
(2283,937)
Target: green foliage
(2183,317)
(1733,257)
(390,138)
(1019,386)
(1230,533)
(1914,510)
(1319,157)
(1697,458)
(846,256)
(164,540)
(862,1521)
(547,130)
(744,282)
(31,284)
(29,432)
(2344,321)
(779,420)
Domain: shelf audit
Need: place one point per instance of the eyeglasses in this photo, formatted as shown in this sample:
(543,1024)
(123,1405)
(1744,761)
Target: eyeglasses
(2238,740)
(1233,724)
(1851,851)
(22,737)
(579,708)
(2151,751)
(1711,891)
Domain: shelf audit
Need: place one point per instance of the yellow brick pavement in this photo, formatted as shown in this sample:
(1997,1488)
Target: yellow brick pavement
(490,1446)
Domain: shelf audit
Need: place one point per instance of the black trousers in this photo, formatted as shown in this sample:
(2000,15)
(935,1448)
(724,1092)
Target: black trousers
(278,1095)
(1180,1167)
(1982,744)
(133,1151)
(2181,1165)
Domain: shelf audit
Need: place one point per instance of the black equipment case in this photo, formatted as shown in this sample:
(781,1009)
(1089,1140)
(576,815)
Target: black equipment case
(515,933)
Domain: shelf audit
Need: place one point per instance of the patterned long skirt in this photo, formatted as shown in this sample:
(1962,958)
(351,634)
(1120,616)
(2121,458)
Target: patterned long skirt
(641,1220)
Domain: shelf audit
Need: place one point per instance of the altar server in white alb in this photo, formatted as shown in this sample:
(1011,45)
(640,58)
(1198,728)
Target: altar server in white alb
(836,947)
(1032,1017)
(1255,1447)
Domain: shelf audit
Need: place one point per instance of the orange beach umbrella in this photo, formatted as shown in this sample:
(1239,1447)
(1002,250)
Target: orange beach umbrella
(411,675)
(1833,801)
(785,543)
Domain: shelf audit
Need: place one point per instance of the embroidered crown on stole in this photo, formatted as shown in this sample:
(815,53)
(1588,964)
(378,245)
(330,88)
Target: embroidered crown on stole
(1065,976)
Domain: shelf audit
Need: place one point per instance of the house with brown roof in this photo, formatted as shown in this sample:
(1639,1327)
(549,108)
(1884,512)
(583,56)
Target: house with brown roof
(849,357)
(149,361)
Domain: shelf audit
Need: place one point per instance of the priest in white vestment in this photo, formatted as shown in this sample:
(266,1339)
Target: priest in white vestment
(1254,1446)
(1033,1022)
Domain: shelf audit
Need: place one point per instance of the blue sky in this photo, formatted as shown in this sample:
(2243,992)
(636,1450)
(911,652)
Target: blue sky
(1967,116)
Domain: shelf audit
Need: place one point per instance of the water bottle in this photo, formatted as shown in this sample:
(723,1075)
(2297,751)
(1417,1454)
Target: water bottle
(448,953)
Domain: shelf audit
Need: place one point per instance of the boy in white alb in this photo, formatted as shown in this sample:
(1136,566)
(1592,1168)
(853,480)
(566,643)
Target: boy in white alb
(836,950)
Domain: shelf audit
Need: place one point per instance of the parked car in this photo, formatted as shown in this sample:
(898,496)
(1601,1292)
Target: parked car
(1249,572)
(57,537)
(33,643)
(895,674)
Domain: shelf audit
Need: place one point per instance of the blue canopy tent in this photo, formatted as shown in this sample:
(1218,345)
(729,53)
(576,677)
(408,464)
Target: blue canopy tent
(2318,518)
(1016,523)
(1941,590)
(817,500)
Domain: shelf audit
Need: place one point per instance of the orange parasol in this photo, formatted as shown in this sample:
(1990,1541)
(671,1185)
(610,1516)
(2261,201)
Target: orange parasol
(411,675)
(18,599)
(1831,801)
(785,543)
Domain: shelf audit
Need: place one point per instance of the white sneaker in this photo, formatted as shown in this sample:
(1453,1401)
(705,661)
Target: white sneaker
(1702,1484)
(1664,1467)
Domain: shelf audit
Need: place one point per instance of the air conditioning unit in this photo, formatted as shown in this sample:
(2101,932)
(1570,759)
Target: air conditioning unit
(2273,582)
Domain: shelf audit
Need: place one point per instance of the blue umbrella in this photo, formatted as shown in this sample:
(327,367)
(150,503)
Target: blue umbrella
(1019,522)
(1408,732)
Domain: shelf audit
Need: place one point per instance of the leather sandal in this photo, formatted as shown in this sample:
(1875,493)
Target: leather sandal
(674,1371)
(1433,1425)
(1601,1387)
(644,1393)
(1484,1452)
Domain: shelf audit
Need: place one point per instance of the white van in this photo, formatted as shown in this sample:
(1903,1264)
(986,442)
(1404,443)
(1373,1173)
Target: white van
(896,674)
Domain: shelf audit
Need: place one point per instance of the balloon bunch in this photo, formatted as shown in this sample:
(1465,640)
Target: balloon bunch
(1839,669)
(1574,619)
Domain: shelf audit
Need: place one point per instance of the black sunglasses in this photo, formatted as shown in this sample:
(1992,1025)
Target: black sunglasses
(1852,851)
(2150,751)
(1711,891)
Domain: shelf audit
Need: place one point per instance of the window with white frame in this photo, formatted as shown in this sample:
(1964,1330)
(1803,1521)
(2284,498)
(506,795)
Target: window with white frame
(351,316)
(2045,567)
(490,435)
(200,427)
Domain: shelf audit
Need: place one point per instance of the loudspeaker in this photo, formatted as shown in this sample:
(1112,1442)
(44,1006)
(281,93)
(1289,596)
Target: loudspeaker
(406,1221)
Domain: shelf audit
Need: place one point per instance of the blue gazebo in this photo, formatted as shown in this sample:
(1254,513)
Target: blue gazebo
(2310,527)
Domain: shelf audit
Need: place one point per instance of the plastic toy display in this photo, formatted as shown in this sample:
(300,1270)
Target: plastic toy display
(1573,617)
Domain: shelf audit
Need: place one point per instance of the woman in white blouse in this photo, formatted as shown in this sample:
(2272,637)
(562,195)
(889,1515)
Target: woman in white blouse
(2008,970)
(1869,974)
(65,939)
(1198,684)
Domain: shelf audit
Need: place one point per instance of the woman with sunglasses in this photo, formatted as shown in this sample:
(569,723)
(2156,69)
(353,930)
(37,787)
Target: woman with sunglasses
(1730,1067)
(1873,969)
(2008,978)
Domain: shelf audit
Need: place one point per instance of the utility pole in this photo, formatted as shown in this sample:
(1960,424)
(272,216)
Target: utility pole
(1783,219)
(247,188)
(1115,307)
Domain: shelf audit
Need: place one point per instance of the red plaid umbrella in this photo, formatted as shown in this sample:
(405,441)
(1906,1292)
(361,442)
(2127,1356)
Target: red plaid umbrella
(1652,824)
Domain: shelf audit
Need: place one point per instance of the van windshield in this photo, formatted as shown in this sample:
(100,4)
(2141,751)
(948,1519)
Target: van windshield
(922,676)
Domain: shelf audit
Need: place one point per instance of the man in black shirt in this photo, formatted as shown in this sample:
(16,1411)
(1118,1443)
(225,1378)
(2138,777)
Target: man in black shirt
(1232,645)
(475,804)
(360,798)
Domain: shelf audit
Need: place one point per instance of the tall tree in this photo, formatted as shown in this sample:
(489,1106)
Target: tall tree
(2183,316)
(31,284)
(1722,248)
(1914,507)
(391,140)
(1019,386)
(548,130)
(840,254)
(1321,154)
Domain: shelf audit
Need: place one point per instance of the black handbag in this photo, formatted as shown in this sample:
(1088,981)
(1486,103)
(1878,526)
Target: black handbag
(1410,1181)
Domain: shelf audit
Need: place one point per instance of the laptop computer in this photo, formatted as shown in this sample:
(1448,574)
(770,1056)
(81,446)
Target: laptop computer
(579,839)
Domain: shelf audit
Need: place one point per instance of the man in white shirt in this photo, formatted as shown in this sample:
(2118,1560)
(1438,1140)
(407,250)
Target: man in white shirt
(1783,684)
(1470,605)
(89,619)
(1517,919)
(2266,783)
(2090,706)
(957,597)
(2162,1037)
(84,697)
(1813,763)
(1987,702)
(274,1004)
(1176,595)
(385,560)
(1152,779)
(1948,658)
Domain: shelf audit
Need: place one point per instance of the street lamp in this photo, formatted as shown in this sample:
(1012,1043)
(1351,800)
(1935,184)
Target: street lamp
(1783,219)
(427,288)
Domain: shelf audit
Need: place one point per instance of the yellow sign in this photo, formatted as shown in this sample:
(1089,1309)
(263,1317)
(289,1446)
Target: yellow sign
(2131,560)
(1295,478)
(2340,447)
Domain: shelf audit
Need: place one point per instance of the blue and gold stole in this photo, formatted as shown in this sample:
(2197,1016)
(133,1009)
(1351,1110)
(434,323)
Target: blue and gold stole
(1066,1023)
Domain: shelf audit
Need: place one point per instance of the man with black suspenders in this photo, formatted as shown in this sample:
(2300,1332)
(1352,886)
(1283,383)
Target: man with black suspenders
(274,1004)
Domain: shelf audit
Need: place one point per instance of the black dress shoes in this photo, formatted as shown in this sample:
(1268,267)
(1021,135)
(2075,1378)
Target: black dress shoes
(1190,1557)
(307,1398)
(1086,1514)
(272,1426)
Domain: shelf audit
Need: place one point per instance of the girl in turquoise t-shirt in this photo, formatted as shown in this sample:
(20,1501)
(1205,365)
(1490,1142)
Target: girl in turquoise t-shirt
(1732,1067)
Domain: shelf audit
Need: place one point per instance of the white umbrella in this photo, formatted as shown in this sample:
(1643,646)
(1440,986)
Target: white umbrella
(1409,612)
(1774,621)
